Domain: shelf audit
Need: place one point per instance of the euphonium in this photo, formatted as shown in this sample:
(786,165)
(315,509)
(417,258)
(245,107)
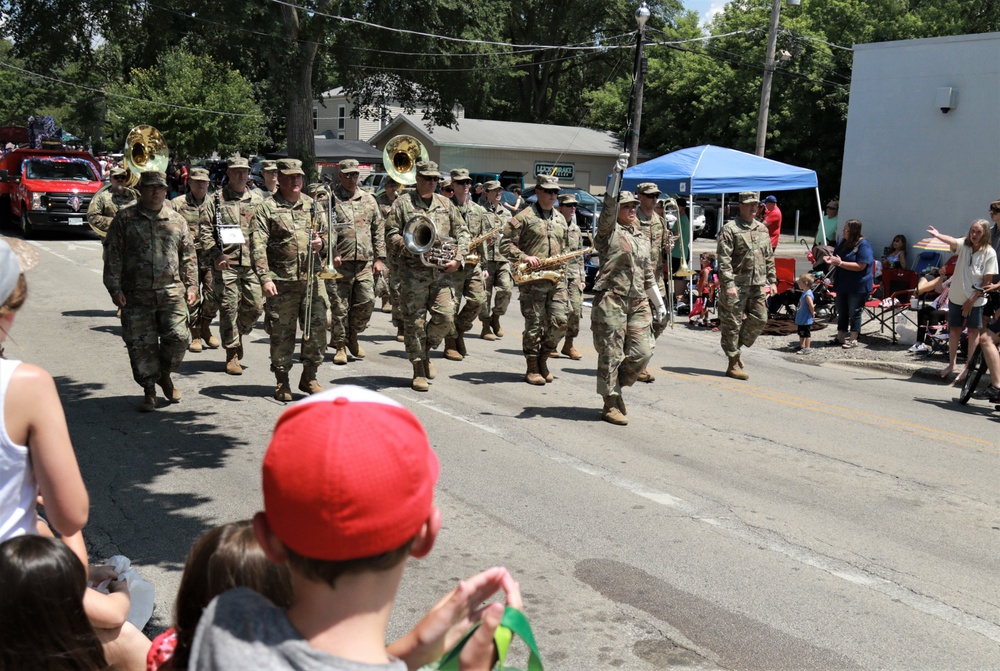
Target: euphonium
(472,258)
(552,269)
(420,237)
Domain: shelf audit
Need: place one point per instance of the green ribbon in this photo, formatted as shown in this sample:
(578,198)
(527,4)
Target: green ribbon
(513,622)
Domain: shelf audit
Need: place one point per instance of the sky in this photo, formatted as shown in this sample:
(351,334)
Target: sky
(705,8)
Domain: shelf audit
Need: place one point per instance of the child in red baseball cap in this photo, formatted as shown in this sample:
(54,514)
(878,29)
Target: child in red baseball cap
(348,481)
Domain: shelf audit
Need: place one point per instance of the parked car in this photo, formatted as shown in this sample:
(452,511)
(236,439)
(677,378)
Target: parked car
(373,181)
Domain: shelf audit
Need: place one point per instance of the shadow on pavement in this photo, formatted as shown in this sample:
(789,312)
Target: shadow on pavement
(572,413)
(109,314)
(489,377)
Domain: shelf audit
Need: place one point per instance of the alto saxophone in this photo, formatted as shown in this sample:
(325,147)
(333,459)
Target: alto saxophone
(472,258)
(552,269)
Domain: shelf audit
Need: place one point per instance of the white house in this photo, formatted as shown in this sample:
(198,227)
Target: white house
(923,136)
(333,117)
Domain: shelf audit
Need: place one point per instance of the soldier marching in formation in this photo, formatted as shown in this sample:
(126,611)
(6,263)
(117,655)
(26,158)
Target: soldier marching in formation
(108,201)
(575,279)
(285,235)
(151,273)
(468,280)
(497,267)
(390,276)
(191,206)
(654,227)
(236,286)
(359,256)
(269,171)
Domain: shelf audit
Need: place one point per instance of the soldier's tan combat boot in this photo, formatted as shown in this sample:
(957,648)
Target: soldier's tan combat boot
(354,347)
(195,345)
(739,360)
(233,366)
(532,376)
(400,336)
(451,350)
(543,364)
(419,382)
(386,306)
(645,376)
(172,393)
(282,391)
(460,344)
(429,372)
(620,404)
(211,342)
(308,383)
(340,357)
(611,414)
(570,351)
(148,400)
(495,324)
(487,333)
(736,371)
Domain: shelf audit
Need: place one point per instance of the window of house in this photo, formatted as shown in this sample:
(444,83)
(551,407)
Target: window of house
(341,136)
(341,117)
(315,118)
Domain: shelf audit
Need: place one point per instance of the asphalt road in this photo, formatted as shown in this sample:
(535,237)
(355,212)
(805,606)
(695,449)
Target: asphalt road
(811,518)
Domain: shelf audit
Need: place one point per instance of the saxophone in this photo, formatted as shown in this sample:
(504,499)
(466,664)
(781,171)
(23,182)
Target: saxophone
(472,258)
(552,269)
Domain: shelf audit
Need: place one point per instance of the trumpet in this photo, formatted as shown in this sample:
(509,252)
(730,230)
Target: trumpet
(552,269)
(420,237)
(329,271)
(472,258)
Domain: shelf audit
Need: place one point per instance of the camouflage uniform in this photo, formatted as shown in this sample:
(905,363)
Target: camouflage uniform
(391,277)
(544,304)
(207,307)
(281,247)
(655,229)
(620,318)
(359,245)
(105,206)
(574,282)
(468,281)
(151,259)
(498,269)
(423,289)
(746,261)
(237,288)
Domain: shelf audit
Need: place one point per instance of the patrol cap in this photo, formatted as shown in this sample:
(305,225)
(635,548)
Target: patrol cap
(546,182)
(349,166)
(491,185)
(152,178)
(237,161)
(446,183)
(568,199)
(118,172)
(626,198)
(317,188)
(460,175)
(198,174)
(648,189)
(268,165)
(770,199)
(427,169)
(290,166)
(747,197)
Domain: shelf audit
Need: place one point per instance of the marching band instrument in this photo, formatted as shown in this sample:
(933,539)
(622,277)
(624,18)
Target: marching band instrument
(310,273)
(400,158)
(145,150)
(217,224)
(329,271)
(552,269)
(472,258)
(420,237)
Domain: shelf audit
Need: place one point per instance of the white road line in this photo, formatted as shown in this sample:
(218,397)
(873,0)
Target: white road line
(758,537)
(67,259)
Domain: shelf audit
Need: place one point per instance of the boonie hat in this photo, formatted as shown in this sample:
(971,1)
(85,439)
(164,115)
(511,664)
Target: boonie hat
(152,178)
(749,197)
(546,182)
(626,197)
(237,161)
(460,175)
(568,199)
(198,174)
(290,166)
(349,473)
(16,257)
(268,165)
(349,166)
(492,184)
(427,169)
(648,189)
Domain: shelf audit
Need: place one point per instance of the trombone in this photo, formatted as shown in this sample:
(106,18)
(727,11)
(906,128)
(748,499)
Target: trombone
(310,273)
(329,271)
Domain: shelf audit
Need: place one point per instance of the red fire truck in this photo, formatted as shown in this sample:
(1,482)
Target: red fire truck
(48,188)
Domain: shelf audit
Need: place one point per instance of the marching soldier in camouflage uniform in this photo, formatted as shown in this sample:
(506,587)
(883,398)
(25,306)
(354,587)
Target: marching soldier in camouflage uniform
(468,281)
(746,276)
(151,272)
(497,266)
(575,280)
(425,289)
(281,247)
(236,285)
(536,233)
(620,318)
(654,227)
(108,201)
(191,206)
(387,284)
(269,171)
(360,254)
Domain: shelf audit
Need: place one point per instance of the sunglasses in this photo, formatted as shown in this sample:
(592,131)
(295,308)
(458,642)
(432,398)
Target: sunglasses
(448,190)
(573,205)
(119,177)
(430,179)
(551,192)
(462,183)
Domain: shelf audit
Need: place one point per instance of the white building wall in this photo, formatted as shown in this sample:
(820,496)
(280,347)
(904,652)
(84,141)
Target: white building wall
(907,165)
(500,160)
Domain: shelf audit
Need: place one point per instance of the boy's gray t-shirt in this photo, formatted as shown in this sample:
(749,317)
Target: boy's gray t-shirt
(241,630)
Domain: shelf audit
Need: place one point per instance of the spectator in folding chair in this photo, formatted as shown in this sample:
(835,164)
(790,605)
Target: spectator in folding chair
(852,282)
(895,253)
(932,313)
(976,265)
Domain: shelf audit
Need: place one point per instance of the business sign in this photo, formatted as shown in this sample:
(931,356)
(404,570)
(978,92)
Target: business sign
(564,171)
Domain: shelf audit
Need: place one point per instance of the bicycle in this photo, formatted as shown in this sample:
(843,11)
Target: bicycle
(977,368)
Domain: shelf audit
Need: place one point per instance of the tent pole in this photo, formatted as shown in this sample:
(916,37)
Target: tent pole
(822,228)
(690,254)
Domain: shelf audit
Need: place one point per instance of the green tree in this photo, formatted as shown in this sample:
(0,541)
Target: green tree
(176,95)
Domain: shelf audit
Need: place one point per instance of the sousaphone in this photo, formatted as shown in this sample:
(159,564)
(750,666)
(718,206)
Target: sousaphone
(144,150)
(400,158)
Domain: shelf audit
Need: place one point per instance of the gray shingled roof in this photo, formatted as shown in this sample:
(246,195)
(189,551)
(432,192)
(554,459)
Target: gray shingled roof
(510,135)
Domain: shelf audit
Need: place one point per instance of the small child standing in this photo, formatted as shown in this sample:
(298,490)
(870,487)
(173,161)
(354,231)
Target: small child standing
(805,314)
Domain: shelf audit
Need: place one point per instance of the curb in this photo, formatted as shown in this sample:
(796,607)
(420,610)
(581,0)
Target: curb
(899,368)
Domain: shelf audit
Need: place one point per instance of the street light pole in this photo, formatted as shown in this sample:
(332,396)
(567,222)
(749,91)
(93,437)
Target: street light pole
(765,87)
(641,16)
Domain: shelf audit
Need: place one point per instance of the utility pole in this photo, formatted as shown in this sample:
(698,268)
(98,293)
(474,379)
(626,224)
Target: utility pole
(765,87)
(641,16)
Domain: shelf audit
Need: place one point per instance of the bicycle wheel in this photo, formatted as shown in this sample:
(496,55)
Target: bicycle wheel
(977,366)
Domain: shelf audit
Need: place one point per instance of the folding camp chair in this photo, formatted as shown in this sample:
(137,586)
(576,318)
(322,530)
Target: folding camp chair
(897,287)
(926,259)
(786,296)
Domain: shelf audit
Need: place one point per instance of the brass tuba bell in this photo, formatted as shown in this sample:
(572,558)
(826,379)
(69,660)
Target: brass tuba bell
(145,150)
(400,158)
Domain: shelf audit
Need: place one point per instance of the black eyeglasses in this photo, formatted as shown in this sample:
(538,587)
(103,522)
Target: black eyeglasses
(573,205)
(462,183)
(430,179)
(448,190)
(118,177)
(551,192)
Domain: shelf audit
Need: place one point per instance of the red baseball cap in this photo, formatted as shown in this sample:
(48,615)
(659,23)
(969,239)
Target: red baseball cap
(349,473)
